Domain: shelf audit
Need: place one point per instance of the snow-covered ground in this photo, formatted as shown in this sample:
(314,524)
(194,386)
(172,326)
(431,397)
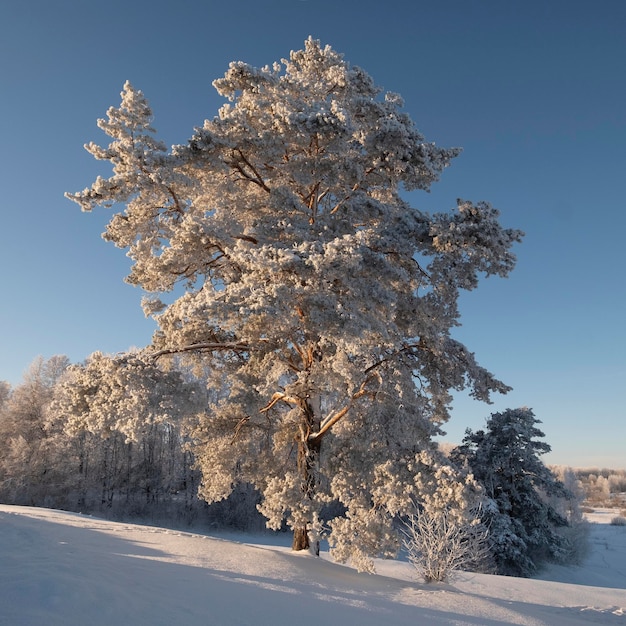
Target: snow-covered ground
(69,569)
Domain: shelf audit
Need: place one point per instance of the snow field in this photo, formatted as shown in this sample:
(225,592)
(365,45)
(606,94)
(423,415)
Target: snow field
(66,569)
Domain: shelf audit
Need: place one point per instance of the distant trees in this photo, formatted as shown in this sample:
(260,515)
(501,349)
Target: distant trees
(603,487)
(313,293)
(5,390)
(520,490)
(105,436)
(126,421)
(26,453)
(600,485)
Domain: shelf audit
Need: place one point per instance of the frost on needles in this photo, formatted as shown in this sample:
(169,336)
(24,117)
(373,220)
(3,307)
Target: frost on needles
(319,301)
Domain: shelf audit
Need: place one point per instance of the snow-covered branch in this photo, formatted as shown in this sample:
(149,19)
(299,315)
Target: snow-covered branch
(203,347)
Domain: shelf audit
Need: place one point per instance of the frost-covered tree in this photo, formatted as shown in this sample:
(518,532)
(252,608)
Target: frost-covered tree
(124,393)
(27,468)
(5,392)
(321,301)
(125,415)
(576,533)
(520,512)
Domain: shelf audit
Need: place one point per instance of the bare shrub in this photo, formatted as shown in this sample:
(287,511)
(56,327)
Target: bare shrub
(618,521)
(440,543)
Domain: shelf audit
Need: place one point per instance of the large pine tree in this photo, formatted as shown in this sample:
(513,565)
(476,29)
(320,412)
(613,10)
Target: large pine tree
(321,301)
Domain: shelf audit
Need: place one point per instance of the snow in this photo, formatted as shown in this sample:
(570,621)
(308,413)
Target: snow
(66,568)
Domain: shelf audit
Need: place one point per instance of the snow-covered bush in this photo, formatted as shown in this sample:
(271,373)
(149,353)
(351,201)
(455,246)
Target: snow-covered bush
(441,542)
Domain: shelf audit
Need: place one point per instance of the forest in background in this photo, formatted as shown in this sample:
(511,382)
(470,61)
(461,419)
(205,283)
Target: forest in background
(151,477)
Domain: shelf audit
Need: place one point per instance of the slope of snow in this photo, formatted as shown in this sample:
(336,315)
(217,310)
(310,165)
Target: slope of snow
(59,568)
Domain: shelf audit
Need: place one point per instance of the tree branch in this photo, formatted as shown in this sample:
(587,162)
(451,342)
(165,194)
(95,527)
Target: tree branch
(331,420)
(384,360)
(202,347)
(277,397)
(255,177)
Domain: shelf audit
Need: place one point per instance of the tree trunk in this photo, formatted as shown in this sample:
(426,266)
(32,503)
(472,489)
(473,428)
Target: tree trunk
(308,457)
(300,539)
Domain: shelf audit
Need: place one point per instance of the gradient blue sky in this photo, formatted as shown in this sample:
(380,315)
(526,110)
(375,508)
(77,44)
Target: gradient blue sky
(534,91)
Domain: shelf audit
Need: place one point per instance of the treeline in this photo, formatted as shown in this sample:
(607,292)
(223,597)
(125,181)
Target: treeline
(46,460)
(603,486)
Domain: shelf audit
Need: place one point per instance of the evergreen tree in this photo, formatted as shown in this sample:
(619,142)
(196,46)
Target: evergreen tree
(523,523)
(314,293)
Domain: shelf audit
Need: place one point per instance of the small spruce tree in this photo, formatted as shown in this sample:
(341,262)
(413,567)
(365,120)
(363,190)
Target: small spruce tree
(523,523)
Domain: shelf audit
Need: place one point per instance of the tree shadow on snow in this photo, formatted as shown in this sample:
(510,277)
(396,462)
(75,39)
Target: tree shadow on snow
(54,573)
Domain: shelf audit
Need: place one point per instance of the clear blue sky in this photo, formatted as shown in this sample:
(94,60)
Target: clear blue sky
(534,91)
